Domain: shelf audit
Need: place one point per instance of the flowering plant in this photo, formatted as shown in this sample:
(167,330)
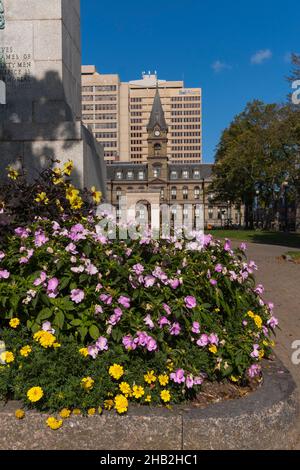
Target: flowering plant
(90,322)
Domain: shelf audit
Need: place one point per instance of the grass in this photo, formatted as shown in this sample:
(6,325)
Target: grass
(295,255)
(291,240)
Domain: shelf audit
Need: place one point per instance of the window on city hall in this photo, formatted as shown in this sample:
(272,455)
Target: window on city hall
(185,193)
(197,192)
(130,175)
(173,175)
(185,174)
(119,175)
(173,193)
(196,174)
(141,175)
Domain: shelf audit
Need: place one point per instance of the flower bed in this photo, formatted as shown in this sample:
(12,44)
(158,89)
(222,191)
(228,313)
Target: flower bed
(91,323)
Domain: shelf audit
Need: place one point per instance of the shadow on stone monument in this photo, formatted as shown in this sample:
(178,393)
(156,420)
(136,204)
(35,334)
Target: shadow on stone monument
(40,64)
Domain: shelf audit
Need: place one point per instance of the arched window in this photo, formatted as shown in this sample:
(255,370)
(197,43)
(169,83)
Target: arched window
(197,192)
(157,149)
(118,193)
(185,193)
(174,193)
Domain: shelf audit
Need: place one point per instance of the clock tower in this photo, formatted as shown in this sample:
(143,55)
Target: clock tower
(157,130)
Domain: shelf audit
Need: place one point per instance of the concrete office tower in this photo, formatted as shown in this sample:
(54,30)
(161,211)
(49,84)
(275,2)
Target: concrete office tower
(118,114)
(40,64)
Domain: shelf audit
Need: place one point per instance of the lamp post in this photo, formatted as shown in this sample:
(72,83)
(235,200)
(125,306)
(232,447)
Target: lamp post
(285,186)
(257,208)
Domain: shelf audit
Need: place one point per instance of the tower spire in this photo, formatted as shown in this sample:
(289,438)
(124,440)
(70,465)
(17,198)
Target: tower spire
(157,117)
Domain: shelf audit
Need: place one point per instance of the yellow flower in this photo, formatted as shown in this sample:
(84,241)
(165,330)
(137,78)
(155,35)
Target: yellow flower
(100,411)
(125,389)
(57,179)
(76,412)
(45,338)
(261,354)
(148,399)
(250,314)
(163,380)
(12,173)
(170,365)
(42,197)
(96,195)
(87,383)
(150,377)
(54,423)
(68,168)
(35,394)
(65,413)
(165,396)
(71,193)
(233,378)
(7,357)
(14,323)
(121,404)
(265,343)
(116,371)
(213,349)
(217,310)
(20,414)
(108,404)
(92,411)
(56,345)
(258,321)
(76,203)
(138,391)
(84,352)
(25,351)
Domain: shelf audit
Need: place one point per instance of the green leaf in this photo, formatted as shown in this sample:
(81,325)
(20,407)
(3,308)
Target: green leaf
(44,314)
(83,332)
(59,319)
(94,332)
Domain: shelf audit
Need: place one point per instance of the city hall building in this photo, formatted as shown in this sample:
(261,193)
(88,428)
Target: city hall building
(159,181)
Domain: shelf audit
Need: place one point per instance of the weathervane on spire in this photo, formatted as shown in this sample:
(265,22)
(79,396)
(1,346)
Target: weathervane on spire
(2,17)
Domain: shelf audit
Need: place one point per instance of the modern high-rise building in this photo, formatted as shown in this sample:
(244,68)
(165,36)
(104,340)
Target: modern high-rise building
(118,114)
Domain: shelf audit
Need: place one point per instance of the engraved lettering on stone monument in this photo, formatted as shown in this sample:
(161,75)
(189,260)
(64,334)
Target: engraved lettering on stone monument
(2,17)
(15,67)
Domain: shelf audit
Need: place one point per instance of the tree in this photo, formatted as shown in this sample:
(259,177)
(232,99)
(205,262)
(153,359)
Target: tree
(256,153)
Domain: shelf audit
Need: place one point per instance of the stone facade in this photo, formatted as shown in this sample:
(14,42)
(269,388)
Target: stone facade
(158,181)
(40,63)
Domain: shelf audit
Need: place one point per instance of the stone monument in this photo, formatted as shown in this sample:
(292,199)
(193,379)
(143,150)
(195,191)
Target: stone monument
(40,64)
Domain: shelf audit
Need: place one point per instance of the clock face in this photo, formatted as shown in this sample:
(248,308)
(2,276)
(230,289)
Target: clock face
(157,133)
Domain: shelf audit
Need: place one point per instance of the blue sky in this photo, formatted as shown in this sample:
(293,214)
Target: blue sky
(234,50)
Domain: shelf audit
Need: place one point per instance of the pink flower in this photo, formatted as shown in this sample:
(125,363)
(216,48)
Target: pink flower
(124,301)
(77,296)
(98,309)
(259,289)
(149,281)
(4,274)
(178,376)
(40,238)
(196,327)
(46,326)
(243,246)
(175,329)
(167,309)
(114,319)
(190,302)
(2,255)
(93,351)
(151,344)
(90,269)
(163,321)
(189,382)
(142,338)
(22,232)
(203,341)
(255,352)
(77,270)
(52,288)
(40,280)
(138,269)
(273,322)
(101,344)
(128,342)
(148,321)
(254,370)
(198,380)
(213,282)
(71,248)
(106,299)
(174,283)
(219,268)
(213,339)
(227,245)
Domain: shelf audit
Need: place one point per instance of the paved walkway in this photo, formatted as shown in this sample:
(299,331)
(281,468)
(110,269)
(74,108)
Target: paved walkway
(282,287)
